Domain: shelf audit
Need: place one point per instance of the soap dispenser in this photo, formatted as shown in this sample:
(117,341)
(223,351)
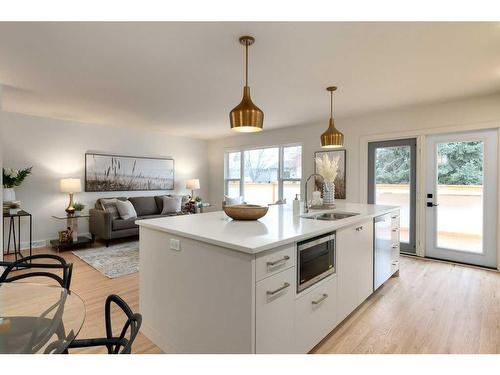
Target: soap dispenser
(296,206)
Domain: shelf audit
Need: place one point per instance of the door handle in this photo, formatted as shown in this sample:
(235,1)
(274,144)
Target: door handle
(430,204)
(321,299)
(274,292)
(279,261)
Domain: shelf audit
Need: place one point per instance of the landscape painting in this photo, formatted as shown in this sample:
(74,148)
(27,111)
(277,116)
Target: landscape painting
(340,179)
(127,173)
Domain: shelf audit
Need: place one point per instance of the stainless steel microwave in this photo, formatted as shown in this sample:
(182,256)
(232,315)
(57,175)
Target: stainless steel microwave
(315,260)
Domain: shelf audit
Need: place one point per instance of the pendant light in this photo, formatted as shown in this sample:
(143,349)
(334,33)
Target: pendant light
(332,138)
(246,117)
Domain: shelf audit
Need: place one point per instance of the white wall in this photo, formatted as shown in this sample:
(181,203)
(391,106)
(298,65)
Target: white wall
(458,112)
(56,149)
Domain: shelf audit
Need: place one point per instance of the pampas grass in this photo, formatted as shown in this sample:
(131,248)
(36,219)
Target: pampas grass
(327,167)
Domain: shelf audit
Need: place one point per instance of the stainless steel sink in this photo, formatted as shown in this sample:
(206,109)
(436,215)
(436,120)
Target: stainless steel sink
(332,216)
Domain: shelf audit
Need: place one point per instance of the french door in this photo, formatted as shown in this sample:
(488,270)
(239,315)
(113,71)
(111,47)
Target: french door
(461,197)
(392,180)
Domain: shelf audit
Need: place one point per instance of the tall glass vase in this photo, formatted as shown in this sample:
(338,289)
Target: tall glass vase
(328,193)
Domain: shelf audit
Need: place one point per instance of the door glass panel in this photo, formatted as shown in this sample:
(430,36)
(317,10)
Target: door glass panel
(460,196)
(392,183)
(261,175)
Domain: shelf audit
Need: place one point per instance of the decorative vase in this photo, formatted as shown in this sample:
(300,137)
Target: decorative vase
(9,195)
(78,213)
(328,193)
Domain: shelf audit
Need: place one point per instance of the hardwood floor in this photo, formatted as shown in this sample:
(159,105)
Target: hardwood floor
(431,308)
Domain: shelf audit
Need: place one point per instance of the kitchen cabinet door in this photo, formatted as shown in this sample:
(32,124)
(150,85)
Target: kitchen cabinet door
(315,314)
(274,313)
(354,266)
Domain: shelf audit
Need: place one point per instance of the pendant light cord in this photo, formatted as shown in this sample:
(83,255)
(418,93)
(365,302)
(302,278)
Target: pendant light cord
(246,64)
(331,104)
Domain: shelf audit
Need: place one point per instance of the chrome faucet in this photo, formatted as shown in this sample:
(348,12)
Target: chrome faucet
(306,205)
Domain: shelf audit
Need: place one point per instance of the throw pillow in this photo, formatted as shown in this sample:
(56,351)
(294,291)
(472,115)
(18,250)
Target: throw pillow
(233,200)
(126,209)
(109,205)
(171,204)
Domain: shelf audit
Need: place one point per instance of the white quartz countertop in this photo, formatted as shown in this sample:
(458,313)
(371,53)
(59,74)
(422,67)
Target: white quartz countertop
(278,227)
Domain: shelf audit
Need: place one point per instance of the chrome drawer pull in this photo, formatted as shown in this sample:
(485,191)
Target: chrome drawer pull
(395,263)
(321,299)
(359,228)
(279,261)
(395,230)
(274,292)
(395,246)
(394,217)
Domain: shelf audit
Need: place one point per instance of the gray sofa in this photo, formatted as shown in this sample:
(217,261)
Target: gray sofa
(102,225)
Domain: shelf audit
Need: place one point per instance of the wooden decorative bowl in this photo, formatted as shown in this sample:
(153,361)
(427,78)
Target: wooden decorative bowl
(245,211)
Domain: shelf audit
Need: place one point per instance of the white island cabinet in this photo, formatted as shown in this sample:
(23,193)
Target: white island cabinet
(209,284)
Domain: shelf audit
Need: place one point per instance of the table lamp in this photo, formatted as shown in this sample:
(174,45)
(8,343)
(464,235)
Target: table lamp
(70,185)
(193,184)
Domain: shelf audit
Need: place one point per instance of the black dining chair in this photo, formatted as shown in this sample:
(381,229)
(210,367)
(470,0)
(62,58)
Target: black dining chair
(115,344)
(37,261)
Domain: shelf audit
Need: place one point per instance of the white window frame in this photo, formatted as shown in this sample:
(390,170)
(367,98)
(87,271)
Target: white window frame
(241,179)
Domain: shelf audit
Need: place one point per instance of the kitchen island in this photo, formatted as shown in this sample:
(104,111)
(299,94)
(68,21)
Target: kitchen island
(209,284)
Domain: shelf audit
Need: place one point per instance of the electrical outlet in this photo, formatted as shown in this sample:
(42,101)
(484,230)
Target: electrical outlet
(175,244)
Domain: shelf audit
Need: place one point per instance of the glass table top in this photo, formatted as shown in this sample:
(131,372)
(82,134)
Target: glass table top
(37,318)
(65,217)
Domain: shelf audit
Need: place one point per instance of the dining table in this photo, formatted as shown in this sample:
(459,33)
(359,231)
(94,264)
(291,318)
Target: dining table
(38,318)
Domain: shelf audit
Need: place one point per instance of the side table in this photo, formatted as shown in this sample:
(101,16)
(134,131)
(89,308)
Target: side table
(78,241)
(12,231)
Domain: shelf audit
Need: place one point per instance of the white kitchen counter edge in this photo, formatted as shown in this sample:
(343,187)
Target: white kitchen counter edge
(338,224)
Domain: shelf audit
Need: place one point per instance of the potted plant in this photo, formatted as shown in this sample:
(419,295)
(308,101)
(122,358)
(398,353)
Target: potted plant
(78,208)
(11,179)
(198,201)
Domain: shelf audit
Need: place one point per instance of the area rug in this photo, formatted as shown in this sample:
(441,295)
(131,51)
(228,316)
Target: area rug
(113,261)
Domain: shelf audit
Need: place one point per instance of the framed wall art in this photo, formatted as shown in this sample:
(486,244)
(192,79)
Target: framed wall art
(127,173)
(340,179)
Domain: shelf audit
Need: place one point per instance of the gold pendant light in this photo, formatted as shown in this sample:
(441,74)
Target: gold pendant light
(332,138)
(246,117)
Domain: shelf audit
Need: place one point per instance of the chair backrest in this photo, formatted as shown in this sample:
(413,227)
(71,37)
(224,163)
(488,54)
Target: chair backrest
(121,344)
(33,261)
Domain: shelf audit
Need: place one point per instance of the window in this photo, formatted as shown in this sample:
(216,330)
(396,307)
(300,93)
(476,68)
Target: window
(265,175)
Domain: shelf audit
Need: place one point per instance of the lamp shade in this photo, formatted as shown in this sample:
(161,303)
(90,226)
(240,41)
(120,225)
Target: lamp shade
(332,138)
(193,184)
(70,185)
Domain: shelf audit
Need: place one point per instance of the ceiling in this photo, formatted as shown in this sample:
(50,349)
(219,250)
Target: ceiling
(184,78)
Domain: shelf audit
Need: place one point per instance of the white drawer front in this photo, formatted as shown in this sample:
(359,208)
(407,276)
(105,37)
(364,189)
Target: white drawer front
(395,235)
(274,313)
(394,265)
(315,315)
(395,219)
(270,263)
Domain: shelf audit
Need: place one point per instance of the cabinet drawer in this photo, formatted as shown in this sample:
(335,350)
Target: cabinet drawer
(395,220)
(315,315)
(394,266)
(277,260)
(395,251)
(395,235)
(274,313)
